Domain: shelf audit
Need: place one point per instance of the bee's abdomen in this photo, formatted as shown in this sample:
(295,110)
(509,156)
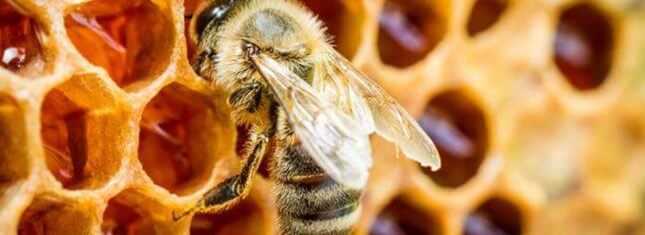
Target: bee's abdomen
(308,201)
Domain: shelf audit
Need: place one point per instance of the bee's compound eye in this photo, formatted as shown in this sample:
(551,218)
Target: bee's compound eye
(216,10)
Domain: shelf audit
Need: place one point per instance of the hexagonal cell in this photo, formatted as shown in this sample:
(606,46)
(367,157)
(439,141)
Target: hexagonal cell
(13,153)
(556,170)
(457,126)
(20,48)
(409,30)
(243,218)
(344,20)
(181,139)
(122,216)
(495,217)
(75,160)
(400,217)
(484,14)
(43,217)
(109,34)
(583,46)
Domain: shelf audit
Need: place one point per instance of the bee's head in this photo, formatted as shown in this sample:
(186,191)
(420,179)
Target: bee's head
(276,32)
(210,15)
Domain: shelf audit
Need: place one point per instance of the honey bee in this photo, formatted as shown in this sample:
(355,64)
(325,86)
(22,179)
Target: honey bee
(288,84)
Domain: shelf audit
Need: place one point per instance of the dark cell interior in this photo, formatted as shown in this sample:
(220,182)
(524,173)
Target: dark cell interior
(484,14)
(408,31)
(244,218)
(583,46)
(402,218)
(109,34)
(19,45)
(458,128)
(120,218)
(495,217)
(64,135)
(176,140)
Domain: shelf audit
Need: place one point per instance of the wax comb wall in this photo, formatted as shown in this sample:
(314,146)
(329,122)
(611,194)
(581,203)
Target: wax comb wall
(537,108)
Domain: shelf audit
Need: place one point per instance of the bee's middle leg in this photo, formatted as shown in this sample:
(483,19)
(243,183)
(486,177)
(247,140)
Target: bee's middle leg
(235,187)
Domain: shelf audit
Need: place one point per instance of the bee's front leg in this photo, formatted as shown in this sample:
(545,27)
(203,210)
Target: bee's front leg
(236,187)
(247,98)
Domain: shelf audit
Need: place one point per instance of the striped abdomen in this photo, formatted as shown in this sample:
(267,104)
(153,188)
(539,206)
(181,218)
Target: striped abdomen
(308,201)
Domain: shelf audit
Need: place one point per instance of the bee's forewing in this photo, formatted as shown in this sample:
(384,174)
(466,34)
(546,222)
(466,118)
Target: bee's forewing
(389,119)
(336,141)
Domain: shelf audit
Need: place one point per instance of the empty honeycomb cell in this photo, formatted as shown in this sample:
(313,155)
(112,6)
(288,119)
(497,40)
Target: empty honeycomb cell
(496,216)
(409,30)
(44,217)
(244,218)
(401,218)
(12,141)
(64,138)
(122,217)
(344,20)
(20,48)
(484,14)
(75,160)
(180,139)
(583,46)
(110,34)
(458,128)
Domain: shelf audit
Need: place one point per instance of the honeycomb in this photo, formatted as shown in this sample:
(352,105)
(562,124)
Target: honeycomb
(537,108)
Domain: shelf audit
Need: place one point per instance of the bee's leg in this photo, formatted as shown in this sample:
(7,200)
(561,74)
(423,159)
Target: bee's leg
(236,186)
(247,97)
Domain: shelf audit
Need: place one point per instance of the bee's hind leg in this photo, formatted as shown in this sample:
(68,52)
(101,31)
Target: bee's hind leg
(235,187)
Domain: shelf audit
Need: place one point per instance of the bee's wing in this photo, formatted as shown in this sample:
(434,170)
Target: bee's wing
(337,142)
(389,119)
